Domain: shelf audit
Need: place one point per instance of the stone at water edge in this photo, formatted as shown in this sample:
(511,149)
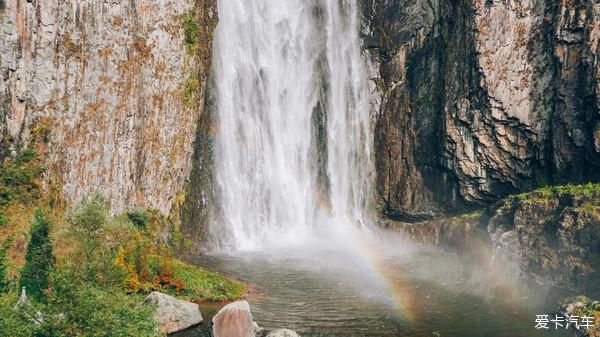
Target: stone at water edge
(283,333)
(258,331)
(234,320)
(172,314)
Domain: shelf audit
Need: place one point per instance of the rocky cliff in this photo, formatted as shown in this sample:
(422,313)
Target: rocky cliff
(118,85)
(550,235)
(481,98)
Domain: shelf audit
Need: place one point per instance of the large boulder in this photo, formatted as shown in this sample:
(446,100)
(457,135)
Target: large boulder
(234,320)
(283,333)
(172,314)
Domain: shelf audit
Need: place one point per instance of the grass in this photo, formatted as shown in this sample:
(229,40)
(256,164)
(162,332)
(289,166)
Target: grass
(587,190)
(203,285)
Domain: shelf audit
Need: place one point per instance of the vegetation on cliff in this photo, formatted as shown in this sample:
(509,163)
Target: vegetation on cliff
(84,270)
(582,306)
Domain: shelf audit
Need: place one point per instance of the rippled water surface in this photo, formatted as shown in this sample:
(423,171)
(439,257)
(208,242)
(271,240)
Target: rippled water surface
(418,292)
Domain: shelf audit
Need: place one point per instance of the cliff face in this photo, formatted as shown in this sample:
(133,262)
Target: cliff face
(482,98)
(114,81)
(552,235)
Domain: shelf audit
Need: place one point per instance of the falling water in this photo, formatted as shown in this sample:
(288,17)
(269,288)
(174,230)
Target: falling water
(291,88)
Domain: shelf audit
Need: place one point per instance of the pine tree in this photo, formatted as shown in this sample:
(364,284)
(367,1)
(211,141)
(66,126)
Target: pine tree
(39,259)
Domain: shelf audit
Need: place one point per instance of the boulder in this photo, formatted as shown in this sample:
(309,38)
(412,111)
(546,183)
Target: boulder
(234,320)
(258,331)
(283,333)
(172,314)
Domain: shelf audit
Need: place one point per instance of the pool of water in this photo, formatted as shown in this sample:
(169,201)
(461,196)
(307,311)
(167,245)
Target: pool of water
(384,290)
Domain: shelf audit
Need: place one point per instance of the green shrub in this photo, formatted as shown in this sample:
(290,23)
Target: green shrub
(4,282)
(12,322)
(90,215)
(38,259)
(191,32)
(3,219)
(19,178)
(139,218)
(81,308)
(78,308)
(87,219)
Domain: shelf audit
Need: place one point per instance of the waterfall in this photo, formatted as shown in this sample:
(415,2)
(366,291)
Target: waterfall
(291,88)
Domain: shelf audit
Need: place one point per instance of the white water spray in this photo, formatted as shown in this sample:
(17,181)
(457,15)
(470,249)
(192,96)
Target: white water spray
(276,63)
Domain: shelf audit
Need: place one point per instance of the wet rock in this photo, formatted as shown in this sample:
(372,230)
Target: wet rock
(234,320)
(283,333)
(453,232)
(258,331)
(172,314)
(578,308)
(551,235)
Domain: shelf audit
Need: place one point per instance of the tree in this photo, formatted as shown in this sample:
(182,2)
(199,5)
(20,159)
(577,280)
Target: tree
(3,264)
(88,219)
(38,259)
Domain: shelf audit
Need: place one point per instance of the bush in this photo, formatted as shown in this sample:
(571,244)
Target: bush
(89,216)
(3,264)
(78,308)
(81,308)
(12,322)
(19,178)
(87,219)
(38,259)
(139,218)
(191,32)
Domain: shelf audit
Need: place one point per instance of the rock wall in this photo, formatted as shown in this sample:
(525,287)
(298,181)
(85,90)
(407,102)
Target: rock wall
(117,81)
(551,235)
(481,98)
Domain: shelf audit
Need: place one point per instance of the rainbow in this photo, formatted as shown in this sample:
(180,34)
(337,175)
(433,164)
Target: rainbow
(402,300)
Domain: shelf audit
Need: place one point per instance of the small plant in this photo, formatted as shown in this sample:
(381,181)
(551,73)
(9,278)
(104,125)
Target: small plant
(38,259)
(192,86)
(191,32)
(3,219)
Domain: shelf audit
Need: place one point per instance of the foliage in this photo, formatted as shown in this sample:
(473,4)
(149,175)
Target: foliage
(98,285)
(78,308)
(12,322)
(131,258)
(128,254)
(3,219)
(87,220)
(201,284)
(19,178)
(39,259)
(191,32)
(3,264)
(589,309)
(82,308)
(585,190)
(192,86)
(89,216)
(139,218)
